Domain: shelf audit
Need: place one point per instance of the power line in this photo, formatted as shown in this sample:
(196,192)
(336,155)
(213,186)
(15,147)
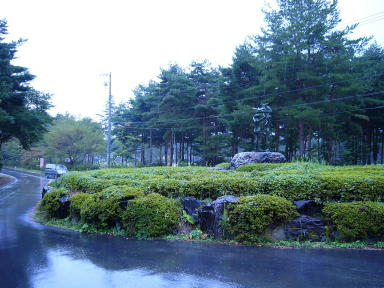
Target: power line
(275,120)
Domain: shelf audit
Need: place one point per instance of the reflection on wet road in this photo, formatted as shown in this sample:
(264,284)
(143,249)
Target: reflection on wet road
(32,255)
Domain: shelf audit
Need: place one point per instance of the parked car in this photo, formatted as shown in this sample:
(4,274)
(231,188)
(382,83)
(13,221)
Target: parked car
(52,172)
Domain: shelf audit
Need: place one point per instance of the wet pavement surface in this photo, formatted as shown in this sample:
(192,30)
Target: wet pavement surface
(33,255)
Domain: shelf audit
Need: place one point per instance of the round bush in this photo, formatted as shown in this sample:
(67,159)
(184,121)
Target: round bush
(100,213)
(51,207)
(151,216)
(249,218)
(357,220)
(76,201)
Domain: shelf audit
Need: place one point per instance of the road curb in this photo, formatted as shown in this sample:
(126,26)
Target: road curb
(13,181)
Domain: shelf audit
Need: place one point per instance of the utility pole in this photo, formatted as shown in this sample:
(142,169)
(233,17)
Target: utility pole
(109,120)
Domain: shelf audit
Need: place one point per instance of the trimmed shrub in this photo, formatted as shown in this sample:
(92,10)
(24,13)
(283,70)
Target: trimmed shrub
(123,192)
(357,220)
(76,201)
(51,206)
(167,187)
(100,213)
(249,218)
(151,216)
(259,167)
(212,188)
(338,186)
(292,187)
(69,180)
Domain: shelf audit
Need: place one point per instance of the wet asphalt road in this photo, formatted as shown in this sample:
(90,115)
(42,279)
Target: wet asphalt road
(32,255)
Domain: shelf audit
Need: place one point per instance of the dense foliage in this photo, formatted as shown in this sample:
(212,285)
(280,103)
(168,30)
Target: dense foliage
(250,217)
(357,220)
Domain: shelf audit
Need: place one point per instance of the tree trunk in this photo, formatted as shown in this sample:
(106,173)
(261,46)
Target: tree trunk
(150,146)
(161,155)
(369,145)
(171,150)
(301,138)
(142,156)
(182,150)
(166,153)
(277,138)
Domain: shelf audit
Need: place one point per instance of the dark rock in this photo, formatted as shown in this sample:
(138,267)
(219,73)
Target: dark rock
(256,157)
(211,215)
(123,204)
(190,205)
(45,190)
(63,211)
(305,227)
(308,207)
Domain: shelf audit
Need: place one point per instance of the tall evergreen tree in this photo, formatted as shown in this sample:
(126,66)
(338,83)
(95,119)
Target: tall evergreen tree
(22,109)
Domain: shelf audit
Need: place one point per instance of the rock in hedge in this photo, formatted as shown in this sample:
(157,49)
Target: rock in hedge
(190,205)
(305,228)
(210,216)
(308,207)
(256,157)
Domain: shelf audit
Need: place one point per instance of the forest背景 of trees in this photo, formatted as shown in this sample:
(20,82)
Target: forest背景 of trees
(324,86)
(23,110)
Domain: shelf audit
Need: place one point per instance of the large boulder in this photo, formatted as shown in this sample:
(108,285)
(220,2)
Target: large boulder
(256,157)
(211,215)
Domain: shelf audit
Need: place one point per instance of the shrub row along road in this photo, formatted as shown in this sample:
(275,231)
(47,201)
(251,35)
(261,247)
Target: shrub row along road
(33,255)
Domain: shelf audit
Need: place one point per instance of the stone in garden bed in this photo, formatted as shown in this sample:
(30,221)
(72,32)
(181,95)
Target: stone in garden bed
(256,157)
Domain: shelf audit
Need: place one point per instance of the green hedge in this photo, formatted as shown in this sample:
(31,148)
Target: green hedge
(249,218)
(294,181)
(123,192)
(151,216)
(357,220)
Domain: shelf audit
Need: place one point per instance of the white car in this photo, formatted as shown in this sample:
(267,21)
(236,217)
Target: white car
(55,170)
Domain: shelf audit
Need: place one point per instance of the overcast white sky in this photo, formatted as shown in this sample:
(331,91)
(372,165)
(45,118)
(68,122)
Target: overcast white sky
(71,42)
